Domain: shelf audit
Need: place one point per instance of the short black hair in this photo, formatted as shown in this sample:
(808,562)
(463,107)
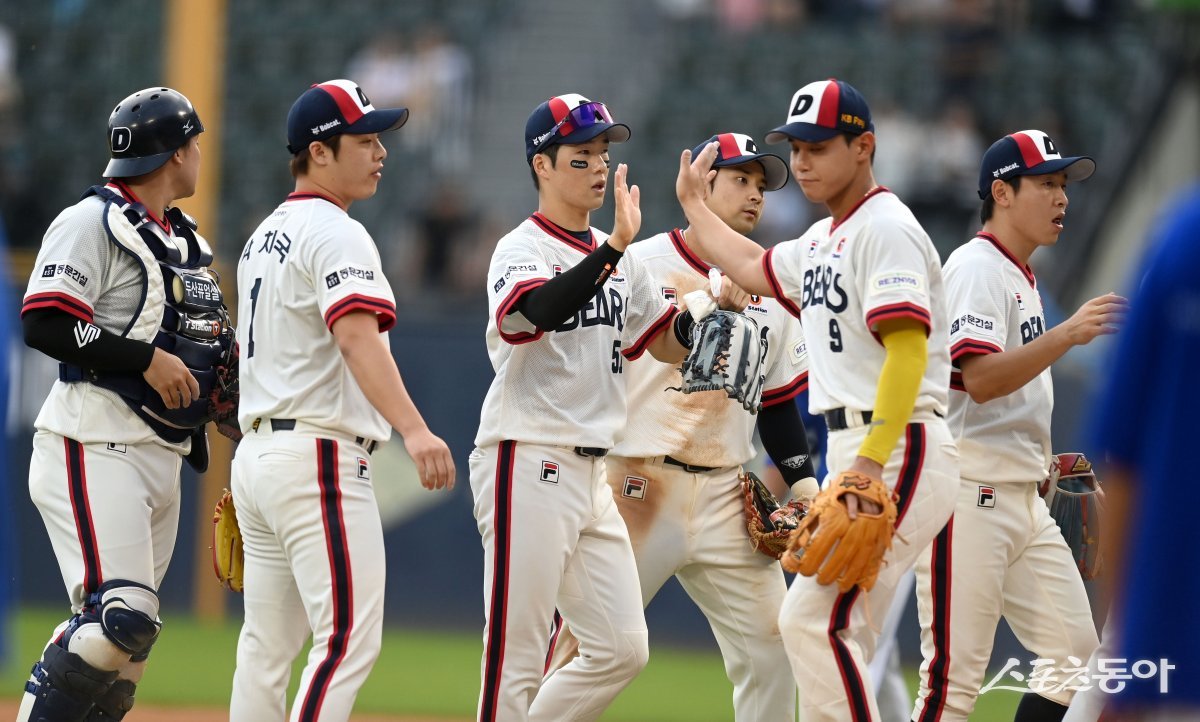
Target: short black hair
(298,165)
(551,153)
(988,209)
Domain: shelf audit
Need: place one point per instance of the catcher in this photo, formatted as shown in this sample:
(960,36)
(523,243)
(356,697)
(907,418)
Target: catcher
(676,474)
(866,283)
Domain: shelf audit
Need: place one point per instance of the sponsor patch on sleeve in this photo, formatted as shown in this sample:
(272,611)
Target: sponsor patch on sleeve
(520,270)
(896,281)
(974,324)
(350,274)
(63,269)
(799,352)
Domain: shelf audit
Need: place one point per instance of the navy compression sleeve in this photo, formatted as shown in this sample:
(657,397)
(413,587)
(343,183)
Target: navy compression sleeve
(785,439)
(53,332)
(556,300)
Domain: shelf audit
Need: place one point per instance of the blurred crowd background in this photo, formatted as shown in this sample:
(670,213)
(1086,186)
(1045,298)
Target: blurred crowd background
(1115,79)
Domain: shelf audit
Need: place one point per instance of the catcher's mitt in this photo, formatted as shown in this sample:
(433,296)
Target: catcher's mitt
(228,558)
(1076,501)
(223,400)
(728,354)
(834,548)
(768,523)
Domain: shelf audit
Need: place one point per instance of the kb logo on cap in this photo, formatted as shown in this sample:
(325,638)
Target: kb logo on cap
(120,140)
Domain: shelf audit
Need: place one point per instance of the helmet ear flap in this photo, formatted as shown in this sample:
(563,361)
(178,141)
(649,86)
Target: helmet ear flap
(146,128)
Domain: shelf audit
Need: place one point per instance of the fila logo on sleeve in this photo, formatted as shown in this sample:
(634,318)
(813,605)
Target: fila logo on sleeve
(549,472)
(85,333)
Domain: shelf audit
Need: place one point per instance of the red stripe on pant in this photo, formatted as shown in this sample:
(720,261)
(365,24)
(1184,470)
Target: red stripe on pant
(856,692)
(910,469)
(498,616)
(939,666)
(557,627)
(340,575)
(82,511)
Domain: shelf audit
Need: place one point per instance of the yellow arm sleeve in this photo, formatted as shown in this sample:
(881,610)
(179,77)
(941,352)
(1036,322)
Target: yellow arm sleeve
(899,383)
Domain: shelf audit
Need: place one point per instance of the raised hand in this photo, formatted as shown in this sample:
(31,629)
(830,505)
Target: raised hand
(628,219)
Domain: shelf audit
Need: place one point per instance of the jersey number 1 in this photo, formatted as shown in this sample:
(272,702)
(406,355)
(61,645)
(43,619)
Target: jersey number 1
(253,308)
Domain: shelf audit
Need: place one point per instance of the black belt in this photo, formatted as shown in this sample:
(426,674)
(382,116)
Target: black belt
(835,419)
(690,468)
(590,451)
(290,425)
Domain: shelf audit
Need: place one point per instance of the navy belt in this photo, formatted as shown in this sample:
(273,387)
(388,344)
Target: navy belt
(690,468)
(290,425)
(590,451)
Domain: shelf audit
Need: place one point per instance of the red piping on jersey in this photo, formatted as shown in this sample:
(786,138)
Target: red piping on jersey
(688,255)
(634,352)
(970,347)
(771,397)
(341,580)
(562,234)
(939,667)
(856,693)
(773,282)
(870,194)
(509,304)
(61,301)
(383,309)
(956,381)
(310,196)
(81,510)
(1025,269)
(897,310)
(127,192)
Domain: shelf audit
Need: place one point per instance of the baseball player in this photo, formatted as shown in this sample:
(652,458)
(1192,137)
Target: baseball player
(866,284)
(567,310)
(674,473)
(124,412)
(1003,554)
(320,390)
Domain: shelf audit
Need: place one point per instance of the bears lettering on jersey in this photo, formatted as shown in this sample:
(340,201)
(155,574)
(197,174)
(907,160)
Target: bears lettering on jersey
(823,285)
(606,309)
(1031,329)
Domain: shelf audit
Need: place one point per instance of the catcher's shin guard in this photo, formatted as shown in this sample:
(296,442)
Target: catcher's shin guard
(64,687)
(113,704)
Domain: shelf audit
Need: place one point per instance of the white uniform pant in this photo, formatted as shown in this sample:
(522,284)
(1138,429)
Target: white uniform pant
(828,635)
(314,564)
(692,526)
(552,538)
(1003,555)
(111,510)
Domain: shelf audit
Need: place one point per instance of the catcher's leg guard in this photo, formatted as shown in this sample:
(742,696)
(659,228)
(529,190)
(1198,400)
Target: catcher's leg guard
(64,687)
(119,624)
(114,703)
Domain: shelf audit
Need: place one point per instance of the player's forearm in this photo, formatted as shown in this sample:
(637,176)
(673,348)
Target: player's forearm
(63,337)
(370,362)
(786,441)
(737,256)
(994,375)
(550,305)
(899,386)
(666,346)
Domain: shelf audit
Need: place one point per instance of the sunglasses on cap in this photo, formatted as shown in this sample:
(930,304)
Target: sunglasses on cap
(580,117)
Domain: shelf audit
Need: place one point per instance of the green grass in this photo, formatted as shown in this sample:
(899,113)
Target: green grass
(429,673)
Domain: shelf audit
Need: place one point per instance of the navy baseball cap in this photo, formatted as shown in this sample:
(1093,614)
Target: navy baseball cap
(1029,152)
(569,119)
(737,149)
(336,107)
(822,110)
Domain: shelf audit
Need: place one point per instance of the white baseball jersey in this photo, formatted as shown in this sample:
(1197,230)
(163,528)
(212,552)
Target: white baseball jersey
(566,388)
(81,271)
(311,264)
(708,428)
(842,279)
(995,307)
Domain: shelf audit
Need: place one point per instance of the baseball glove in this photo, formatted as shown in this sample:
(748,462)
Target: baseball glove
(728,354)
(1076,502)
(831,546)
(228,557)
(768,523)
(223,400)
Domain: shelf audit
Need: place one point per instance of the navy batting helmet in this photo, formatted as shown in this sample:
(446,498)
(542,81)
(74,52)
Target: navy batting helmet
(146,128)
